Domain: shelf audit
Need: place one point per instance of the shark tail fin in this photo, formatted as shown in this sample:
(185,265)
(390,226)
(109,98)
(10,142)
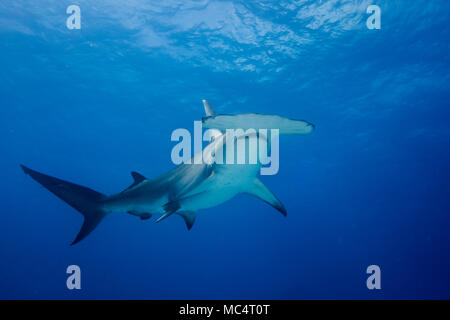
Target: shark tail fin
(85,200)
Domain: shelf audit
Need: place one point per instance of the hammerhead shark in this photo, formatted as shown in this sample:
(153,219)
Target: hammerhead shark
(186,188)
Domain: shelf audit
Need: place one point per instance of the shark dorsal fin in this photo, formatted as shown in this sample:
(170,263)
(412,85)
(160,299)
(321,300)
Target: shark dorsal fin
(188,216)
(208,109)
(138,178)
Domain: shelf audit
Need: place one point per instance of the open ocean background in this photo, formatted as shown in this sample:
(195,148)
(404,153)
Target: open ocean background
(370,186)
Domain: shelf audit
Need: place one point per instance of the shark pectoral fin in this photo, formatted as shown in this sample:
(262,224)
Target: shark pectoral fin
(189,217)
(259,190)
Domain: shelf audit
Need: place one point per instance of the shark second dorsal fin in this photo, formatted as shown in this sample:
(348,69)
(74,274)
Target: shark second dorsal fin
(209,111)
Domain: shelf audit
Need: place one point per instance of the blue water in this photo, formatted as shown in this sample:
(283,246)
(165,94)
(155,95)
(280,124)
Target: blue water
(370,186)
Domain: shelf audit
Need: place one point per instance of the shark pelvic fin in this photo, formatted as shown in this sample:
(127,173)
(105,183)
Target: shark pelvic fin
(259,190)
(189,217)
(209,111)
(170,207)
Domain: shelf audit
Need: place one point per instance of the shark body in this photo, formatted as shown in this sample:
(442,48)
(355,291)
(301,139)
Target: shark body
(185,189)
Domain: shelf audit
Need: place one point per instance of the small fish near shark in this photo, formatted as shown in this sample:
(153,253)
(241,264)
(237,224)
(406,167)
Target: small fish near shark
(185,189)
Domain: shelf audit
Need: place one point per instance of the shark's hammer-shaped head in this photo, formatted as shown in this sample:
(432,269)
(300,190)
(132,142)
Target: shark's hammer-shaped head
(254,121)
(261,131)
